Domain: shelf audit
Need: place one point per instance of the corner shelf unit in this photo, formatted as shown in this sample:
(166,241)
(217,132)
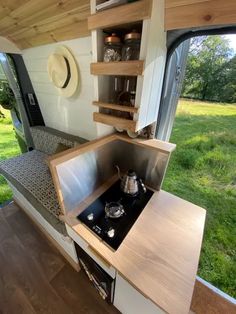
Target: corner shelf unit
(148,15)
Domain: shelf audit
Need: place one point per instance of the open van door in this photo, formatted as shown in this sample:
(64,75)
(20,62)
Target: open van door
(20,117)
(171,90)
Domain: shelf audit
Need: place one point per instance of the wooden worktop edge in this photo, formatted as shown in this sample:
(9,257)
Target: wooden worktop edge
(155,144)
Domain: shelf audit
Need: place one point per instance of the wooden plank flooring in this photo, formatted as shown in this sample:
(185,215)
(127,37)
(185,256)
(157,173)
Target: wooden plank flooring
(35,278)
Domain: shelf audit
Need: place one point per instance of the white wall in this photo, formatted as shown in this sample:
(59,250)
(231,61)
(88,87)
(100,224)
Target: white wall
(72,115)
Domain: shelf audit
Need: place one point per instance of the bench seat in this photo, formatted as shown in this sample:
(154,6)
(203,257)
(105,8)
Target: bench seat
(30,175)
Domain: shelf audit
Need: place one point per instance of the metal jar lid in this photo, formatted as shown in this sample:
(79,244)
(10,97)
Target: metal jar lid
(112,39)
(133,35)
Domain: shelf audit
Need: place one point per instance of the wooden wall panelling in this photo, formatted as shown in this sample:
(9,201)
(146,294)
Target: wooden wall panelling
(190,13)
(32,23)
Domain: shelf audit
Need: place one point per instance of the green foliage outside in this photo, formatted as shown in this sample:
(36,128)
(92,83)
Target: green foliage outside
(211,70)
(7,98)
(8,148)
(202,170)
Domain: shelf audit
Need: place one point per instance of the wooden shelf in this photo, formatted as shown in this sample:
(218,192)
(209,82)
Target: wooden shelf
(123,14)
(115,107)
(115,121)
(126,68)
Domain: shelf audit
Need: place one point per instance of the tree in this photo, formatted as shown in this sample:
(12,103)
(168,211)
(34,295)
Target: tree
(228,92)
(208,69)
(7,98)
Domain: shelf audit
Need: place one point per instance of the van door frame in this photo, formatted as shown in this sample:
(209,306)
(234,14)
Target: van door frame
(174,39)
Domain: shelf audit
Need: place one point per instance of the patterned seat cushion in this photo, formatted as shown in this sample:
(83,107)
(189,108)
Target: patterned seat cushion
(31,171)
(47,139)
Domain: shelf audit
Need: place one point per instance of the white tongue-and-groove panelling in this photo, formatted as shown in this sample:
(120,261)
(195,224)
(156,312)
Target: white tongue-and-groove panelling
(71,115)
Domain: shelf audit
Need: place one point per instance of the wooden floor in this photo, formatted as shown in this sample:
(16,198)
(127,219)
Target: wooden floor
(35,278)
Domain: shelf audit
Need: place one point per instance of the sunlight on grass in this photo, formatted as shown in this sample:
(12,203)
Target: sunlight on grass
(192,107)
(8,148)
(202,170)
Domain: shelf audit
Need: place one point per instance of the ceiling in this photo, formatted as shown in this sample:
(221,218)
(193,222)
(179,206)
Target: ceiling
(30,23)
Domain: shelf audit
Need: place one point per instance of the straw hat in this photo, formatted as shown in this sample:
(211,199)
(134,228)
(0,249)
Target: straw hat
(62,71)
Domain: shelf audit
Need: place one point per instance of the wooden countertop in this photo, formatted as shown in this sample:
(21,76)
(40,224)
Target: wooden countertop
(159,256)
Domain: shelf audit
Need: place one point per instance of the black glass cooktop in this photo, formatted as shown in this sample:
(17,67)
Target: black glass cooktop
(114,230)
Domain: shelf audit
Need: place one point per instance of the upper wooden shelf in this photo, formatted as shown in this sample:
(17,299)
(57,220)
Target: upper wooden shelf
(128,13)
(115,121)
(127,68)
(116,107)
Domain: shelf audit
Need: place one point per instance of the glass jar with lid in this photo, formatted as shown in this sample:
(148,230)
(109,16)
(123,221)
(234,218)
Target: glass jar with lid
(131,48)
(112,48)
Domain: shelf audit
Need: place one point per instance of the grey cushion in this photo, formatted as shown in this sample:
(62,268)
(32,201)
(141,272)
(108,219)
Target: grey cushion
(31,176)
(47,139)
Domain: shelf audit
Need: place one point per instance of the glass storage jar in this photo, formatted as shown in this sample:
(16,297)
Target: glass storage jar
(131,48)
(112,48)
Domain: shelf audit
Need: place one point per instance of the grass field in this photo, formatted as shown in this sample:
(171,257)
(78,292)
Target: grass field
(202,170)
(8,148)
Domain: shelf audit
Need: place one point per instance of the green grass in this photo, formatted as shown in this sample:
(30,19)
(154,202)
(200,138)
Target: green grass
(8,148)
(202,170)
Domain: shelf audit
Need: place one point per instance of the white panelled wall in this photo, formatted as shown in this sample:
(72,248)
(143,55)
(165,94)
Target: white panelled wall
(71,115)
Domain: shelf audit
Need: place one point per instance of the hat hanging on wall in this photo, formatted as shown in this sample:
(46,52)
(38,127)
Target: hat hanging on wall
(62,71)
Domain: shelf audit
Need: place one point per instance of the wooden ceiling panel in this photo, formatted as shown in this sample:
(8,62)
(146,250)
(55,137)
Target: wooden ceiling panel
(181,14)
(57,35)
(30,23)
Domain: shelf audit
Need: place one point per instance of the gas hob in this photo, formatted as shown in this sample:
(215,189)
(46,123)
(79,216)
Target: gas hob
(113,230)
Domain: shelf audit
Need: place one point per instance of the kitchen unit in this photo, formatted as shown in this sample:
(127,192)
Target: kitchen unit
(155,264)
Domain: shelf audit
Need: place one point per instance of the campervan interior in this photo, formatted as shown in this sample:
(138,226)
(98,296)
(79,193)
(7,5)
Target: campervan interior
(89,228)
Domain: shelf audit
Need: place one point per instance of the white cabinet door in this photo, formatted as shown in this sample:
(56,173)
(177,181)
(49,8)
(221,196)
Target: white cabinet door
(129,301)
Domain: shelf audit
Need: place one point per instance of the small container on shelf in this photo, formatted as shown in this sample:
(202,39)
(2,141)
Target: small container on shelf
(127,96)
(115,88)
(112,48)
(131,48)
